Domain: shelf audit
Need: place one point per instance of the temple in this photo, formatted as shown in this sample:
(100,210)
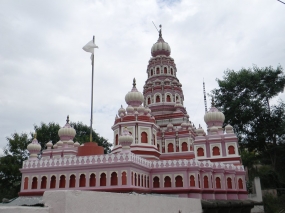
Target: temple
(156,148)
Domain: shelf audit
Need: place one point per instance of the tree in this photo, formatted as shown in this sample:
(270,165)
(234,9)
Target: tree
(16,152)
(244,97)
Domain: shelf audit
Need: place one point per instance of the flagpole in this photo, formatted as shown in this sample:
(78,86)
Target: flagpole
(91,119)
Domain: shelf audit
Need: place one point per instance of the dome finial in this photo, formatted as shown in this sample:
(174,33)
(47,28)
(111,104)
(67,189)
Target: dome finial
(134,83)
(67,119)
(35,135)
(213,102)
(160,33)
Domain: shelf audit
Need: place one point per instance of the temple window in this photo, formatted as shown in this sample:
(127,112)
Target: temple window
(178,181)
(216,151)
(82,180)
(170,147)
(165,70)
(229,183)
(157,71)
(155,182)
(62,181)
(151,72)
(153,136)
(139,180)
(148,101)
(158,147)
(26,183)
(103,179)
(144,137)
(114,179)
(135,179)
(200,151)
(157,99)
(72,181)
(206,182)
(34,183)
(168,99)
(92,180)
(132,178)
(167,181)
(171,71)
(124,178)
(184,147)
(44,182)
(231,150)
(199,181)
(240,184)
(117,139)
(52,182)
(218,182)
(145,181)
(192,181)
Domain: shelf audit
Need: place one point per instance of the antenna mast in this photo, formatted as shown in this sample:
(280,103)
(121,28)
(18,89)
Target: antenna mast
(205,100)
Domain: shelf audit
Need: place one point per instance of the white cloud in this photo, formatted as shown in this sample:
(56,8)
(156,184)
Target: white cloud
(45,74)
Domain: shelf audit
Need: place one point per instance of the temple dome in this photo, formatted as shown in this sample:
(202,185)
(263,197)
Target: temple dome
(134,97)
(66,132)
(214,117)
(160,47)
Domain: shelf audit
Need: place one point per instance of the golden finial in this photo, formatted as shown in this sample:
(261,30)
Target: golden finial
(35,135)
(134,83)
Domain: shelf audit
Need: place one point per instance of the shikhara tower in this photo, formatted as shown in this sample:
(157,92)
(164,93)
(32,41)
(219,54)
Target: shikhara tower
(156,149)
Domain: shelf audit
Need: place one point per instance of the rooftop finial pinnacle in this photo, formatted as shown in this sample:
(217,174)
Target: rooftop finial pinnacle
(134,83)
(35,135)
(213,102)
(67,119)
(160,33)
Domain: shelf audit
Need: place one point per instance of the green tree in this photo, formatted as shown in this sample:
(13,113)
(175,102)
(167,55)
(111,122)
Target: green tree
(16,152)
(244,97)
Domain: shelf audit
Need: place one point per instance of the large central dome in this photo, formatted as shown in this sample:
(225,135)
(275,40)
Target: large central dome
(160,47)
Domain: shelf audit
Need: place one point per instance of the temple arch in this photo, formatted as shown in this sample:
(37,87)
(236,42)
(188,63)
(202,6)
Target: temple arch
(114,179)
(165,70)
(44,182)
(200,151)
(184,147)
(178,181)
(82,180)
(167,181)
(216,151)
(206,182)
(231,150)
(117,140)
(124,178)
(192,181)
(156,182)
(26,183)
(52,182)
(240,183)
(157,71)
(72,180)
(170,147)
(103,179)
(62,181)
(34,183)
(157,98)
(229,183)
(218,183)
(144,138)
(92,180)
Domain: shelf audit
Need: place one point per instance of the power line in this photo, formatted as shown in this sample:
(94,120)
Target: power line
(281,1)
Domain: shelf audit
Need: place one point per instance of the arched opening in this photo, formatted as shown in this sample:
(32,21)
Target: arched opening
(52,182)
(170,147)
(92,180)
(206,182)
(148,101)
(158,147)
(72,181)
(167,181)
(168,99)
(103,179)
(151,72)
(26,183)
(135,179)
(132,178)
(200,151)
(82,180)
(192,181)
(171,71)
(139,180)
(144,137)
(218,182)
(157,71)
(153,136)
(231,150)
(216,151)
(144,181)
(148,182)
(62,181)
(240,183)
(229,183)
(178,181)
(157,99)
(124,178)
(44,182)
(155,182)
(114,179)
(165,70)
(184,147)
(117,141)
(34,183)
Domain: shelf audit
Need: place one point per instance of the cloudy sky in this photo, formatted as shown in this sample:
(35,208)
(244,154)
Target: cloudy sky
(45,74)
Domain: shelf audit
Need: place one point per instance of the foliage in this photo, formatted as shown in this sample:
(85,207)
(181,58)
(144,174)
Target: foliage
(16,152)
(244,97)
(274,204)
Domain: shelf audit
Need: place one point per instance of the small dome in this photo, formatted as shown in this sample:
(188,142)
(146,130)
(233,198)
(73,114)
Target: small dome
(229,129)
(55,146)
(49,145)
(214,117)
(134,97)
(76,144)
(169,125)
(34,147)
(214,130)
(59,144)
(126,136)
(130,110)
(184,125)
(140,110)
(160,47)
(121,110)
(66,132)
(70,143)
(147,110)
(200,131)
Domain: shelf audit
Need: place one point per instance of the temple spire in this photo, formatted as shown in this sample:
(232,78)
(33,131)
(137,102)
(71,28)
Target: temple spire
(67,119)
(160,32)
(134,83)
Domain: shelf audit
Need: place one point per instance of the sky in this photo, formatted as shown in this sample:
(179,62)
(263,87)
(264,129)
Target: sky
(45,75)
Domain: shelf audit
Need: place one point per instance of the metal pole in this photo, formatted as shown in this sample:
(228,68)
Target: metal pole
(91,119)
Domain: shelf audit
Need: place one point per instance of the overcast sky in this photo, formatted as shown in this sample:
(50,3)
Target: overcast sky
(45,74)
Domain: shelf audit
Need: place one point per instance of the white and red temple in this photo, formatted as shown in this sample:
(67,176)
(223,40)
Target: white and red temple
(156,149)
